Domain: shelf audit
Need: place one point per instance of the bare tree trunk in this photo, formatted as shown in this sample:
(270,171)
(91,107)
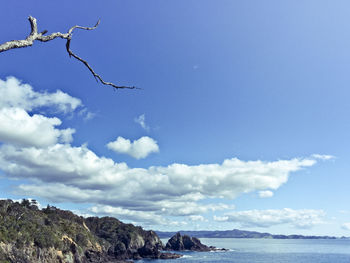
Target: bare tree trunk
(34,35)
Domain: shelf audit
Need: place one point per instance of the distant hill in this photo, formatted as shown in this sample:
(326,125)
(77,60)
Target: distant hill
(235,233)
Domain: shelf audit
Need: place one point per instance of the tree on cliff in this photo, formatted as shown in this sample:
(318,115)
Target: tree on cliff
(35,35)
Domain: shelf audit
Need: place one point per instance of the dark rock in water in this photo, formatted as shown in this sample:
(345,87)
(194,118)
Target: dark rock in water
(218,249)
(179,243)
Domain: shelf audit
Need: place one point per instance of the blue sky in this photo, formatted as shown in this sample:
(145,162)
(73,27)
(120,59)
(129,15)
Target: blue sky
(244,103)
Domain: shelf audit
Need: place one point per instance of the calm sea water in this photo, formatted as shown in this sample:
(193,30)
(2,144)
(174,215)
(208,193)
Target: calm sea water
(269,251)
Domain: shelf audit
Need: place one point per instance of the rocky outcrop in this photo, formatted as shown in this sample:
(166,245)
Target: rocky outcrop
(28,234)
(179,243)
(185,242)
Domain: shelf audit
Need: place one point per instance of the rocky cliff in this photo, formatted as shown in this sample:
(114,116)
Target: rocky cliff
(28,234)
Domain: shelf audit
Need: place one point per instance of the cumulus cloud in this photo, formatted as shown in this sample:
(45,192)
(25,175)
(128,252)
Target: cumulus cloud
(265,194)
(305,218)
(138,149)
(21,128)
(18,127)
(142,121)
(15,94)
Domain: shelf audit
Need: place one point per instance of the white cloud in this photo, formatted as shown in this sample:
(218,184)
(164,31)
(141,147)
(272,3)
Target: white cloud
(36,150)
(191,208)
(229,179)
(15,94)
(62,173)
(18,127)
(148,218)
(265,194)
(305,218)
(142,121)
(138,149)
(87,115)
(346,226)
(322,157)
(21,128)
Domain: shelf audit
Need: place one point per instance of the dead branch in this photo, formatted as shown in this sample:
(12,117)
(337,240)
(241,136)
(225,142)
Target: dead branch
(34,35)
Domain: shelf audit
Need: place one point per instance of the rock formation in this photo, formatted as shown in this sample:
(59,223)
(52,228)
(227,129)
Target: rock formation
(179,243)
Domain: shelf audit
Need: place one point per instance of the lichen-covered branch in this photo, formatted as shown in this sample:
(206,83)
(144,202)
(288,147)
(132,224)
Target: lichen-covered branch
(34,35)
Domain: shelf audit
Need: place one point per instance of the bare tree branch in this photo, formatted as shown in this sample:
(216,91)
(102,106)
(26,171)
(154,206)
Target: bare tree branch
(34,35)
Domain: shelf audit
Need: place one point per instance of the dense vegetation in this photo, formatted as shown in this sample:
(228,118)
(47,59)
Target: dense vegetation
(28,234)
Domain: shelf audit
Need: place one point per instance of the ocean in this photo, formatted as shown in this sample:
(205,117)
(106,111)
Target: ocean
(269,251)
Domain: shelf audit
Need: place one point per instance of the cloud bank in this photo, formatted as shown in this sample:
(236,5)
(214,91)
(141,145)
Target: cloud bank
(63,173)
(305,218)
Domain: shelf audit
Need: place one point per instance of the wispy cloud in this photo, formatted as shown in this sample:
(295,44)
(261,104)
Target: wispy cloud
(142,121)
(87,115)
(322,156)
